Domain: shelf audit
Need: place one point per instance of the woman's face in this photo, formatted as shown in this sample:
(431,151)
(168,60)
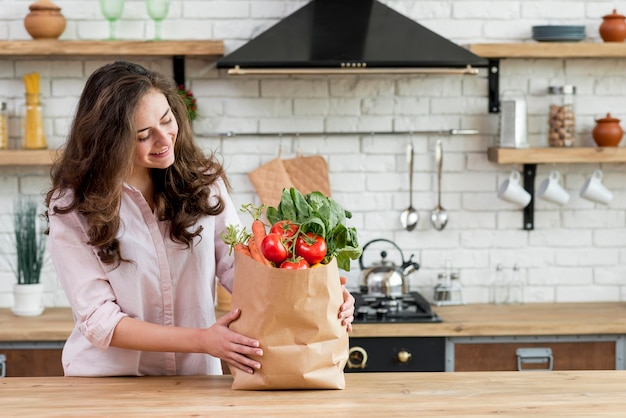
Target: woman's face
(156,133)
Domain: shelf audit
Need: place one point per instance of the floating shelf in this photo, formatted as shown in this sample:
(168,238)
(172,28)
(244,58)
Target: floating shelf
(27,157)
(178,50)
(48,48)
(530,157)
(550,50)
(495,52)
(557,155)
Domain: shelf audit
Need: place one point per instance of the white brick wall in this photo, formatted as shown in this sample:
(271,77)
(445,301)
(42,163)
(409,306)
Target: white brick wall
(575,253)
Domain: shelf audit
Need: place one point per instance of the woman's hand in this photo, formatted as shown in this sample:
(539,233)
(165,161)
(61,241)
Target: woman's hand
(231,347)
(346,311)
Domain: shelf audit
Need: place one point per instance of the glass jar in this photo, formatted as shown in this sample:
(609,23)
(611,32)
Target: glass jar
(562,119)
(32,113)
(4,134)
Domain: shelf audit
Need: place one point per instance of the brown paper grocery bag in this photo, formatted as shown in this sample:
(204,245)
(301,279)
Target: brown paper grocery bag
(293,313)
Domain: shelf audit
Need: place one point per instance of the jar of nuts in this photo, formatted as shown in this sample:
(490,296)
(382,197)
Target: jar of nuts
(562,120)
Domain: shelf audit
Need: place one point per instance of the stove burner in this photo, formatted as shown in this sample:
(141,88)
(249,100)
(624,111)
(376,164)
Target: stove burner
(409,308)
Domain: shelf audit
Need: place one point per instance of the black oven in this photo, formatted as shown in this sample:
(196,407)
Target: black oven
(397,354)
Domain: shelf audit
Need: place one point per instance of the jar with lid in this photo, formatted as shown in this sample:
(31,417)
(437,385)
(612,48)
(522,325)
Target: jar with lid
(561,118)
(4,134)
(32,114)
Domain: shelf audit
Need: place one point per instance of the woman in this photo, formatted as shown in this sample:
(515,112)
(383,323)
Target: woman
(135,215)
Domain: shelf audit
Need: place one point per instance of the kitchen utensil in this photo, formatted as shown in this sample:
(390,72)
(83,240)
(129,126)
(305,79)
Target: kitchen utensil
(384,278)
(410,217)
(439,216)
(513,124)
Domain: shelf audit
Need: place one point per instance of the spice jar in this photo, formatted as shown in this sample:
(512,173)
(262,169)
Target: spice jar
(34,137)
(561,119)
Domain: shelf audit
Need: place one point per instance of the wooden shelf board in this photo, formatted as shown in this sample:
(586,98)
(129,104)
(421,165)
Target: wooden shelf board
(112,48)
(27,157)
(557,155)
(550,50)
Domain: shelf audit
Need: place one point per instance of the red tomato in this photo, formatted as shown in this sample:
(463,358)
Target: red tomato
(298,264)
(311,247)
(273,248)
(285,228)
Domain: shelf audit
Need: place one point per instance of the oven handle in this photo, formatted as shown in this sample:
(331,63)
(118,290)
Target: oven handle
(357,358)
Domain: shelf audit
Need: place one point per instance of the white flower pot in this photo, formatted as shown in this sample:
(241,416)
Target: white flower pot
(28,299)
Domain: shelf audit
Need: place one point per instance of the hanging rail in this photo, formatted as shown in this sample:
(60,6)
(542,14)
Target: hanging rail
(449,132)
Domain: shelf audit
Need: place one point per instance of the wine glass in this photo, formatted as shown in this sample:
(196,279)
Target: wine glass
(158,10)
(112,11)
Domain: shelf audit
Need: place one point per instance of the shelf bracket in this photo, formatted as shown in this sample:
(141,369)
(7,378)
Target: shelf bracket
(179,69)
(494,85)
(530,171)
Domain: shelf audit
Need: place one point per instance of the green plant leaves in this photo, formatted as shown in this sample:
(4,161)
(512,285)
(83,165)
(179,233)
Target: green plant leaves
(323,216)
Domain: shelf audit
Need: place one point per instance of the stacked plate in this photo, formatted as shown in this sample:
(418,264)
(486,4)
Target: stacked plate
(558,33)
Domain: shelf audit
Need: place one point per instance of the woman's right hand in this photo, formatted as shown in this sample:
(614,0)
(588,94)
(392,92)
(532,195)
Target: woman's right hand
(231,347)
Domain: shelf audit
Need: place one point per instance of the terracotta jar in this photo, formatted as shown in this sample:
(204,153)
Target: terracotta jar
(607,132)
(45,20)
(613,27)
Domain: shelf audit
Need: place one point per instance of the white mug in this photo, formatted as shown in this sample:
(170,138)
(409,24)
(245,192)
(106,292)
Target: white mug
(552,191)
(512,191)
(594,190)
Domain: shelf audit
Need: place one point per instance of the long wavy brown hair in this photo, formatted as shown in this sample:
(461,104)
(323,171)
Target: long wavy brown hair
(98,157)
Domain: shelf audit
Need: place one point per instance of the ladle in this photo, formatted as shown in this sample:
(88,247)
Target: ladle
(410,216)
(438,216)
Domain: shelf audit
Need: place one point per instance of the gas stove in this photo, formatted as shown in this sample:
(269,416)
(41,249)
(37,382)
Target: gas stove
(408,308)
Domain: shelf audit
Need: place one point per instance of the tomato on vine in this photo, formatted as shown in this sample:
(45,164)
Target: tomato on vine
(273,248)
(297,264)
(286,228)
(311,247)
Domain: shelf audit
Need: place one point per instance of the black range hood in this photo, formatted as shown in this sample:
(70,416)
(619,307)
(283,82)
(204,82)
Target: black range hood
(349,36)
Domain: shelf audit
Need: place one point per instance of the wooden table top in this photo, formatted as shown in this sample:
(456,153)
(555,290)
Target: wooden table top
(55,324)
(541,394)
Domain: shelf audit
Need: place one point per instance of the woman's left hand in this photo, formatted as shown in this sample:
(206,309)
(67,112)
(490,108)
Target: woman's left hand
(346,311)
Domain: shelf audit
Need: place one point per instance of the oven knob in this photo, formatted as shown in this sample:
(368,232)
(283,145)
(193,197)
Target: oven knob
(403,356)
(361,313)
(357,358)
(381,314)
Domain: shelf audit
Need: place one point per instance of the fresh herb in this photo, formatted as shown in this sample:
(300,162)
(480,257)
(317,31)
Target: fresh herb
(30,241)
(190,101)
(323,216)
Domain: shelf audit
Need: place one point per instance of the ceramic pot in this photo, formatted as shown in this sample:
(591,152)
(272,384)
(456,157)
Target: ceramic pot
(45,20)
(28,299)
(607,132)
(613,27)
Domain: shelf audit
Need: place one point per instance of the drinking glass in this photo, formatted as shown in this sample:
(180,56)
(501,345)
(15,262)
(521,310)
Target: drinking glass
(112,11)
(158,10)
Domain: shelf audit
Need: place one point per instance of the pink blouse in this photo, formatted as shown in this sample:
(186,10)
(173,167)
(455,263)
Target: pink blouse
(166,283)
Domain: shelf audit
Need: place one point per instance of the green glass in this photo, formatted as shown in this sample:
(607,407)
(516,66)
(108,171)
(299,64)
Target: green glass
(158,10)
(112,11)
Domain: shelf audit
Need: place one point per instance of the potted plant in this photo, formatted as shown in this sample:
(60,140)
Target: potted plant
(30,244)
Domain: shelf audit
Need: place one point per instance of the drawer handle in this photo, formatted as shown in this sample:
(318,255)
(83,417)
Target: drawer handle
(357,358)
(534,356)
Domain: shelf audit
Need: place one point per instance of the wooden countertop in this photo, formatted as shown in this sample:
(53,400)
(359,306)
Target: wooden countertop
(458,321)
(563,393)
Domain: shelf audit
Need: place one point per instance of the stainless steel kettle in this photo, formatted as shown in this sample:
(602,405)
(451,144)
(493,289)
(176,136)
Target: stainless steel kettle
(384,278)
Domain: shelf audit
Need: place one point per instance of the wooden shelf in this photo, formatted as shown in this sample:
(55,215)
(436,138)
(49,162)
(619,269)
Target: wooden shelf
(49,48)
(550,50)
(557,155)
(27,157)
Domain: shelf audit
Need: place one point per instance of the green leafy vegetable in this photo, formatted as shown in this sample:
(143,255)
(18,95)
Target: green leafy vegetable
(323,216)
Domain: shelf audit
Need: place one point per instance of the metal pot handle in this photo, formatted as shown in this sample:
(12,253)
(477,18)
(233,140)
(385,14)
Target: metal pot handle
(378,240)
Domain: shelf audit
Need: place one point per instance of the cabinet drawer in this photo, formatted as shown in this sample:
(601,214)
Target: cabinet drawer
(33,362)
(503,356)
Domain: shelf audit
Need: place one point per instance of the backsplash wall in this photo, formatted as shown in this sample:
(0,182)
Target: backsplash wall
(575,253)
